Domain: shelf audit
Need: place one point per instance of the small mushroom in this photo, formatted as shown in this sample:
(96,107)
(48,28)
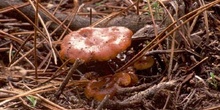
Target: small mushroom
(109,85)
(95,44)
(98,89)
(144,63)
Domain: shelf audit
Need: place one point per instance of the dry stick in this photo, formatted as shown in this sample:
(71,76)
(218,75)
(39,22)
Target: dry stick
(49,89)
(61,24)
(48,56)
(111,15)
(33,25)
(4,49)
(42,33)
(4,10)
(171,17)
(47,33)
(33,93)
(48,64)
(26,104)
(138,11)
(20,98)
(23,57)
(80,83)
(14,104)
(152,18)
(188,99)
(172,43)
(79,21)
(173,38)
(194,53)
(55,74)
(26,93)
(150,91)
(57,7)
(68,76)
(167,100)
(27,60)
(19,49)
(198,63)
(171,56)
(213,107)
(192,25)
(206,22)
(153,52)
(137,98)
(73,14)
(54,19)
(10,52)
(172,48)
(149,47)
(101,105)
(11,37)
(154,24)
(191,29)
(35,39)
(137,88)
(105,18)
(90,16)
(31,50)
(135,6)
(46,100)
(7,91)
(48,106)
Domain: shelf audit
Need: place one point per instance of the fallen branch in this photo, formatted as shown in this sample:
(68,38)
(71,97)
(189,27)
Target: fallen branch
(133,22)
(137,98)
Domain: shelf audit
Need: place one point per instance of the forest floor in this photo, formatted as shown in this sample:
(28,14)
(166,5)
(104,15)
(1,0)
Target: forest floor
(178,42)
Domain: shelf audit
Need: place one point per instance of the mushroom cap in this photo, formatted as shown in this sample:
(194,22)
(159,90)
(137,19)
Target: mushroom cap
(95,44)
(108,85)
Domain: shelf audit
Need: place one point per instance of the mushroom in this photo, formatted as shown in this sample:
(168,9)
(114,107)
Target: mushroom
(144,63)
(101,87)
(95,44)
(109,85)
(99,44)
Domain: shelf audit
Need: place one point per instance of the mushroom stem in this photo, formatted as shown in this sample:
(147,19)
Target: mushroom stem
(76,64)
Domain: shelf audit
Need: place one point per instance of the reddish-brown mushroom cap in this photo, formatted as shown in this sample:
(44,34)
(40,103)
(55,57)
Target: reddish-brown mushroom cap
(109,85)
(97,44)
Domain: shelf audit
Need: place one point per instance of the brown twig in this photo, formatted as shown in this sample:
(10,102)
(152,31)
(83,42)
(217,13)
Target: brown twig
(137,98)
(68,76)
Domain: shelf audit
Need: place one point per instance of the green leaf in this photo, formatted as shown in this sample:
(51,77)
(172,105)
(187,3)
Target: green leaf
(32,99)
(212,75)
